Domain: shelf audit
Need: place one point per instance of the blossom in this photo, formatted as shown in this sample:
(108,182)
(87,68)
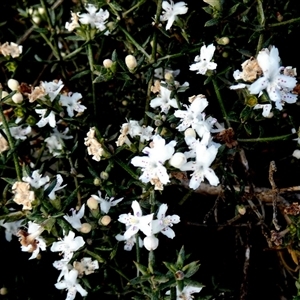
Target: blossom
(11,228)
(296,153)
(266,109)
(46,117)
(12,49)
(86,266)
(31,240)
(277,85)
(186,293)
(68,245)
(52,88)
(136,221)
(55,141)
(129,243)
(74,22)
(56,188)
(63,266)
(23,195)
(71,284)
(203,62)
(36,180)
(74,220)
(19,133)
(94,18)
(205,155)
(163,222)
(152,165)
(71,101)
(164,101)
(106,203)
(93,146)
(171,11)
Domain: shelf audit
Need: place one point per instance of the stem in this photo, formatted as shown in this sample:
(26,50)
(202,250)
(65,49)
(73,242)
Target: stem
(185,197)
(73,172)
(267,139)
(10,142)
(135,43)
(91,63)
(126,168)
(284,22)
(260,11)
(220,100)
(133,8)
(138,255)
(148,98)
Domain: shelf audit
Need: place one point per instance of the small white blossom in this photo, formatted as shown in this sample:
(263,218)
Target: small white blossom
(266,109)
(106,203)
(74,22)
(72,103)
(55,141)
(203,62)
(56,188)
(74,220)
(71,284)
(46,117)
(52,88)
(36,180)
(186,293)
(136,222)
(86,266)
(171,11)
(11,228)
(19,133)
(129,243)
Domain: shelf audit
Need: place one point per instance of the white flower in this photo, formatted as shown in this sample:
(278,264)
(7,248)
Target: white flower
(62,265)
(12,49)
(266,109)
(277,85)
(106,203)
(193,113)
(19,133)
(55,141)
(164,101)
(36,180)
(71,284)
(129,243)
(31,240)
(296,153)
(71,101)
(11,228)
(68,245)
(152,165)
(74,220)
(94,18)
(186,293)
(136,221)
(203,62)
(163,222)
(56,188)
(50,118)
(171,11)
(204,157)
(52,88)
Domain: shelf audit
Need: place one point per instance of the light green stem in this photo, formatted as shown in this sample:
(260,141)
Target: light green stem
(220,100)
(91,63)
(267,139)
(262,20)
(10,142)
(73,170)
(284,22)
(138,254)
(133,8)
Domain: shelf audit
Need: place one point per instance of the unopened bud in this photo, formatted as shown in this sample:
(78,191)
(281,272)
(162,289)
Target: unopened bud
(177,160)
(223,41)
(179,275)
(13,84)
(86,228)
(3,291)
(17,98)
(130,62)
(169,77)
(107,63)
(105,220)
(92,203)
(241,209)
(104,175)
(97,181)
(190,132)
(4,94)
(151,242)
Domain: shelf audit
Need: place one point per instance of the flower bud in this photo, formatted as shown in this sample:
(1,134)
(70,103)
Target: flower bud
(92,203)
(3,291)
(105,220)
(177,160)
(223,41)
(13,84)
(130,62)
(104,175)
(97,181)
(107,63)
(241,209)
(169,77)
(179,275)
(190,132)
(86,228)
(17,98)
(151,242)
(296,153)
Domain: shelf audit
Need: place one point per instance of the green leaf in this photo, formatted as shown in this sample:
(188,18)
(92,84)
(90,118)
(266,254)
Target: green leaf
(74,38)
(191,268)
(95,256)
(180,258)
(140,279)
(233,9)
(211,22)
(80,74)
(143,269)
(170,266)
